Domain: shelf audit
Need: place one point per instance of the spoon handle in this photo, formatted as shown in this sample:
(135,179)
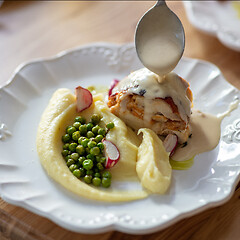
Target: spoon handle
(160,2)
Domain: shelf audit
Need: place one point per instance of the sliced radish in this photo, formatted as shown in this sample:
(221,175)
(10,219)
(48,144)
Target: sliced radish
(111,153)
(170,143)
(113,84)
(84,98)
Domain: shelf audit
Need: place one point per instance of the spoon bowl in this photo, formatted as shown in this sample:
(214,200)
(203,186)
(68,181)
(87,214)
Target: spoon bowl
(160,39)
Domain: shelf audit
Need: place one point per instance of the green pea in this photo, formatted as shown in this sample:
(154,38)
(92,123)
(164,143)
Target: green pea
(96,181)
(98,138)
(100,145)
(77,125)
(97,175)
(90,172)
(91,144)
(70,162)
(65,153)
(91,156)
(90,134)
(80,119)
(80,149)
(66,138)
(95,129)
(110,125)
(103,160)
(71,130)
(77,173)
(102,131)
(72,167)
(87,164)
(68,127)
(87,150)
(78,164)
(75,156)
(83,129)
(96,170)
(92,139)
(67,157)
(89,126)
(81,159)
(65,146)
(82,171)
(106,182)
(98,158)
(95,118)
(100,166)
(85,142)
(77,119)
(94,151)
(76,135)
(81,139)
(72,147)
(106,174)
(88,179)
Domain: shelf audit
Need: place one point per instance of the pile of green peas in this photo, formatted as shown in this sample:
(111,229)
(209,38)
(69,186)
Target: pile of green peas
(83,150)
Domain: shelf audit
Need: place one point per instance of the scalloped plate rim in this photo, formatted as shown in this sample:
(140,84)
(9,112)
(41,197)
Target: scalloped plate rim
(58,56)
(115,227)
(71,50)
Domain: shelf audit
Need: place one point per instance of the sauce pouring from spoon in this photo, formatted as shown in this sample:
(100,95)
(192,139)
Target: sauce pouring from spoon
(160,39)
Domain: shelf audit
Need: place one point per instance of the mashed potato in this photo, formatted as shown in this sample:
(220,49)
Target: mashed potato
(60,113)
(153,167)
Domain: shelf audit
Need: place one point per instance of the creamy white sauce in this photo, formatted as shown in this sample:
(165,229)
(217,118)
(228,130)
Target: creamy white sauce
(159,40)
(151,86)
(206,132)
(205,136)
(147,110)
(231,107)
(161,54)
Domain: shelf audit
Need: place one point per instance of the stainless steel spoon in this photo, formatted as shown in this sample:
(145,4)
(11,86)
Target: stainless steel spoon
(160,39)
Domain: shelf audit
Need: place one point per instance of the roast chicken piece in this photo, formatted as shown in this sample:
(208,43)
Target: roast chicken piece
(143,99)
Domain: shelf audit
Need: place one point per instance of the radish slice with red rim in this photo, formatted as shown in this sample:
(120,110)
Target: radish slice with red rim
(170,143)
(111,153)
(113,84)
(83,97)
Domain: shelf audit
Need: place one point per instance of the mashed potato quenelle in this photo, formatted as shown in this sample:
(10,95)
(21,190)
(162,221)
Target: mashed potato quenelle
(153,167)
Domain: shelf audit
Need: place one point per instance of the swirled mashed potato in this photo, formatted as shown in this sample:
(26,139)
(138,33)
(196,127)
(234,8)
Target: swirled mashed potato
(60,113)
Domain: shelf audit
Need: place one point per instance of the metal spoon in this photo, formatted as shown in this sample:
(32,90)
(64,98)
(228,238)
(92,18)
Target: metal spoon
(160,39)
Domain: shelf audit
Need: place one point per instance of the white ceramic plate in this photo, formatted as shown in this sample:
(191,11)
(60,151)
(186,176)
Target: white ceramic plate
(23,182)
(216,18)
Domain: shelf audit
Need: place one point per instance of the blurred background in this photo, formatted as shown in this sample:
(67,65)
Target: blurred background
(35,29)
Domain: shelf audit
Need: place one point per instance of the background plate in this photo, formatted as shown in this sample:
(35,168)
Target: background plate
(219,18)
(23,181)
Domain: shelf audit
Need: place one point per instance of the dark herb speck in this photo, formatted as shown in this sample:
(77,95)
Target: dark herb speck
(184,145)
(142,92)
